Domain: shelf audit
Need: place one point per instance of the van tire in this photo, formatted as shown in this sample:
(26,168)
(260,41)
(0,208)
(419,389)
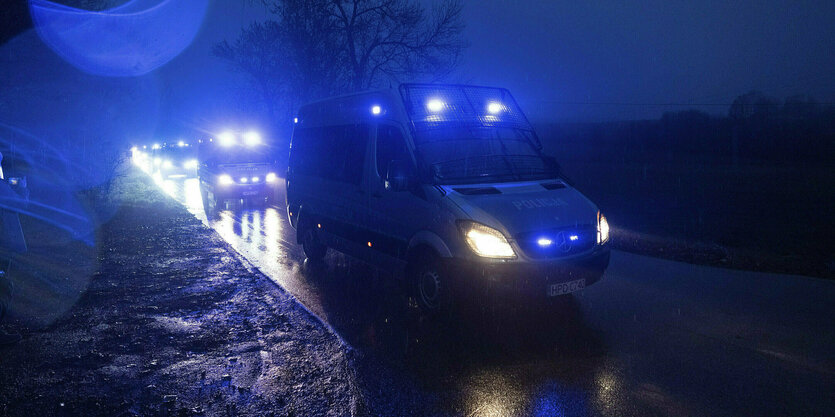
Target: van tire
(312,245)
(430,284)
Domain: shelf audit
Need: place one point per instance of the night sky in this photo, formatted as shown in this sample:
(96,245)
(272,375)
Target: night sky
(604,60)
(649,52)
(581,61)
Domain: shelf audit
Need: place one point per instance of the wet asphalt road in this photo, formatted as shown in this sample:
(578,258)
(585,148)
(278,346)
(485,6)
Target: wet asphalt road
(654,337)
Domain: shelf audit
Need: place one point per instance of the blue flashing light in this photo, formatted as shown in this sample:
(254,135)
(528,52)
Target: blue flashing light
(494,107)
(376,110)
(435,105)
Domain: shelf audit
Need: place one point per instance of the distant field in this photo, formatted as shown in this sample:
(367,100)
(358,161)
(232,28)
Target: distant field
(750,216)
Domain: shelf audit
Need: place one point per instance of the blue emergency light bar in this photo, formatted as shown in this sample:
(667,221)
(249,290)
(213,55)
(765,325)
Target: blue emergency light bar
(432,106)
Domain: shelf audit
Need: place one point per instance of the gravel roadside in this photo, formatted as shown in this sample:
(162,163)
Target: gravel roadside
(175,322)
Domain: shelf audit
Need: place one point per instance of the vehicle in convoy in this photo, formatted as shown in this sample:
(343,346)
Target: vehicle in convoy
(177,160)
(447,183)
(236,167)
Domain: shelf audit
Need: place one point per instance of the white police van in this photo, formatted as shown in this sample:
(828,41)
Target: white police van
(446,183)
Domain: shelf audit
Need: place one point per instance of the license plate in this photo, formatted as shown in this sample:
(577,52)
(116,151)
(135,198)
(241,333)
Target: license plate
(566,287)
(248,193)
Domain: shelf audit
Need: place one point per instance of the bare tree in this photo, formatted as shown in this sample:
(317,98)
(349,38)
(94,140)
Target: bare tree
(395,39)
(313,48)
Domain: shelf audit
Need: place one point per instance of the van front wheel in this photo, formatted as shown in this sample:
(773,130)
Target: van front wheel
(313,247)
(431,285)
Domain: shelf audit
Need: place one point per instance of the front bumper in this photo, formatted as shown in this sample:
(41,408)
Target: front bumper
(237,190)
(529,279)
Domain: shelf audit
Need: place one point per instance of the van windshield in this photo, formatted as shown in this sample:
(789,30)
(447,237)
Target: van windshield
(237,155)
(481,154)
(177,152)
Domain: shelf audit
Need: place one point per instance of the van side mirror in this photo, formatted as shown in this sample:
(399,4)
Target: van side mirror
(399,176)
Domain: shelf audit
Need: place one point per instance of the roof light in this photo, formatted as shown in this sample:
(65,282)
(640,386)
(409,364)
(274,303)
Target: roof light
(252,139)
(494,107)
(226,139)
(435,105)
(376,110)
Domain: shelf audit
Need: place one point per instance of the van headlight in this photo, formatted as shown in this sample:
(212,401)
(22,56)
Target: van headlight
(486,241)
(602,229)
(225,179)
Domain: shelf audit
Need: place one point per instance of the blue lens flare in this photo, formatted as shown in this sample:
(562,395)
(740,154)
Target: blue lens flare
(132,39)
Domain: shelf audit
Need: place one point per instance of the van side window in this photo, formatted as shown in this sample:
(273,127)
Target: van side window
(390,146)
(335,153)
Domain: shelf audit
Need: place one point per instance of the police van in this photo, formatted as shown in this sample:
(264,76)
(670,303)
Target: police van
(235,167)
(446,183)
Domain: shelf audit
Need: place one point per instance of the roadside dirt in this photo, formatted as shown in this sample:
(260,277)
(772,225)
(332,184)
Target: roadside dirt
(171,322)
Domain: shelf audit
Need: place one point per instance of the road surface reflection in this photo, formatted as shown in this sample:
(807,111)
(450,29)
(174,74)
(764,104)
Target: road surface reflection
(493,365)
(653,338)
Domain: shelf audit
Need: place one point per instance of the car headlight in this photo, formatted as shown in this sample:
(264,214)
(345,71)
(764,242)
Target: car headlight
(602,229)
(226,139)
(224,179)
(252,139)
(190,164)
(486,241)
(271,177)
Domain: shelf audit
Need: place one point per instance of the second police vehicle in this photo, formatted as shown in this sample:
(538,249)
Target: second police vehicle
(236,167)
(447,183)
